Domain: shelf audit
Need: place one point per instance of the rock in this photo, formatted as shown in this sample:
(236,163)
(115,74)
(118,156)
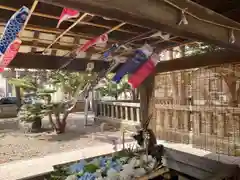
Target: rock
(30,126)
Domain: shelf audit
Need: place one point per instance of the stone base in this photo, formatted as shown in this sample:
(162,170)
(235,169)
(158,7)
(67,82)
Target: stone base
(215,144)
(31,126)
(118,124)
(174,136)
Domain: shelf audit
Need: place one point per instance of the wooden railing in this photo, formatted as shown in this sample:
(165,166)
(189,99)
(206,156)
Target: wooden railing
(119,112)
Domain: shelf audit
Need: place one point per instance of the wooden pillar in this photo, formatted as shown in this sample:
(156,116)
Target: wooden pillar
(132,114)
(104,110)
(112,111)
(117,112)
(182,88)
(138,114)
(126,113)
(147,103)
(121,112)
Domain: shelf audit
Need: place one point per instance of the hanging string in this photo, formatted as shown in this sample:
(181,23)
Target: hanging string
(201,19)
(64,32)
(123,43)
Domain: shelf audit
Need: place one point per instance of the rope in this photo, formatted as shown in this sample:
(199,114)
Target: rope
(64,32)
(88,86)
(201,19)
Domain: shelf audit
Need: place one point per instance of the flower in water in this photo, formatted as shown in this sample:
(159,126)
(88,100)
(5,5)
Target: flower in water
(87,176)
(78,167)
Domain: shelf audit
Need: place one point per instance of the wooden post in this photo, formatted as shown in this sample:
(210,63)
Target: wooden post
(126,113)
(182,91)
(146,102)
(100,108)
(116,111)
(132,114)
(138,114)
(104,110)
(112,111)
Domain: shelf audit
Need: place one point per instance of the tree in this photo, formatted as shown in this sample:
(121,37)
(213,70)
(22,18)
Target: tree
(70,83)
(31,113)
(114,90)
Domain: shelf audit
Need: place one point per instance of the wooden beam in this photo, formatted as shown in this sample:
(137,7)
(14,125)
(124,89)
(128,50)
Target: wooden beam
(34,61)
(27,60)
(3,7)
(208,59)
(165,17)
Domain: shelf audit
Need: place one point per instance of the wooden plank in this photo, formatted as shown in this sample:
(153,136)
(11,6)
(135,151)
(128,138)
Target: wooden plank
(208,59)
(163,16)
(36,61)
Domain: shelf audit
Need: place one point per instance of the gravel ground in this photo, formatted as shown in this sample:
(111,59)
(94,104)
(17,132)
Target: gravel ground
(14,145)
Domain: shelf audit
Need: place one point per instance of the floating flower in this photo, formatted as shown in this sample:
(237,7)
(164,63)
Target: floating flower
(87,176)
(78,167)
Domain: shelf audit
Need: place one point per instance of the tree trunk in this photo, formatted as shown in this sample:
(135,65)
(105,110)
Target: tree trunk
(51,122)
(18,95)
(61,123)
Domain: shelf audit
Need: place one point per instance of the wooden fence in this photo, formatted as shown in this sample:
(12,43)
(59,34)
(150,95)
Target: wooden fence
(216,129)
(119,113)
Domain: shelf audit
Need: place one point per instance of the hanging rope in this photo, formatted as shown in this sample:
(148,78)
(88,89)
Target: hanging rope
(64,32)
(89,86)
(201,19)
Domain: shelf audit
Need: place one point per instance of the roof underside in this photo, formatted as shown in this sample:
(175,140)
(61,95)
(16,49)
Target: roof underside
(41,29)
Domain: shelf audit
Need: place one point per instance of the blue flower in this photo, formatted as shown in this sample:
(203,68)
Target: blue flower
(102,161)
(87,176)
(78,167)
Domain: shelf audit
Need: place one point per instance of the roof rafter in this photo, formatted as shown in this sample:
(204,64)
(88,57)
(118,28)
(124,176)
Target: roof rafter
(164,16)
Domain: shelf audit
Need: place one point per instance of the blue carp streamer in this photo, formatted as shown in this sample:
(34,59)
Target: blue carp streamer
(12,28)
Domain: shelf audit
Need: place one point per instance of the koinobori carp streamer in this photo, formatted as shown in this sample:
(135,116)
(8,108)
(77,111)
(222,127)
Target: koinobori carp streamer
(141,56)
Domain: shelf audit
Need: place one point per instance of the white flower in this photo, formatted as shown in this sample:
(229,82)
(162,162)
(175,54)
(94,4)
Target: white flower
(125,176)
(133,162)
(71,177)
(139,172)
(112,174)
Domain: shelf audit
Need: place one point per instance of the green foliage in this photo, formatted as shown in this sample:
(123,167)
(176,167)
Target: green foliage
(23,83)
(31,112)
(113,89)
(69,81)
(200,48)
